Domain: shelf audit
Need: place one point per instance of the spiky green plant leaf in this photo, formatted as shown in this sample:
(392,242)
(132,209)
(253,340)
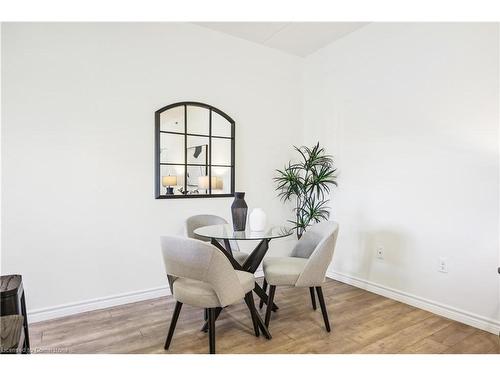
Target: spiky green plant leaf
(308,182)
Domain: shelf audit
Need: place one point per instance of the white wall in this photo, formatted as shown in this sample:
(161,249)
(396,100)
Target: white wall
(79,218)
(411,112)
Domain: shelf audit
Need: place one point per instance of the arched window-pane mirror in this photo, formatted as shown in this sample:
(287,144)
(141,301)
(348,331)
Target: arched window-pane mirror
(194,151)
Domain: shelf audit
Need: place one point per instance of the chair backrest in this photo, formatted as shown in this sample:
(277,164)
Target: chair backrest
(197,260)
(307,243)
(323,237)
(198,221)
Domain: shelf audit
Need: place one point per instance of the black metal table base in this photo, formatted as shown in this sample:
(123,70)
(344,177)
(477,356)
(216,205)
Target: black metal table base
(250,265)
(260,323)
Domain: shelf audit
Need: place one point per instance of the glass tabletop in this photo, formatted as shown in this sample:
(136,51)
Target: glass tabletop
(226,232)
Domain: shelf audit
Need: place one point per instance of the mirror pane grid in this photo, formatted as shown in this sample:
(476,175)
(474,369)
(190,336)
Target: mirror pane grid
(195,151)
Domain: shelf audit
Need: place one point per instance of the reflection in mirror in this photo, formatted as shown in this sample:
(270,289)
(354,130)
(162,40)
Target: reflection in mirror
(172,179)
(221,151)
(197,180)
(198,155)
(171,148)
(220,126)
(198,152)
(172,120)
(221,179)
(217,184)
(198,120)
(195,174)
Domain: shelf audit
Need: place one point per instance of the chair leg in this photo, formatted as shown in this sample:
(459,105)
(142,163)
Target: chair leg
(173,322)
(211,329)
(313,298)
(323,308)
(264,286)
(218,310)
(251,306)
(272,289)
(205,314)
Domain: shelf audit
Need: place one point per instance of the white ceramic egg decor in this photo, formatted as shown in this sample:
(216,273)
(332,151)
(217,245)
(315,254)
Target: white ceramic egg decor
(258,220)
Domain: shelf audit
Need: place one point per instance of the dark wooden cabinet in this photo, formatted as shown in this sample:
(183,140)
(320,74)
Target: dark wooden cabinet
(12,302)
(12,334)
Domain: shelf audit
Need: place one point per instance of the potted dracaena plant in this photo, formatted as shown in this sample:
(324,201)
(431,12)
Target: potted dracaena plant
(307,183)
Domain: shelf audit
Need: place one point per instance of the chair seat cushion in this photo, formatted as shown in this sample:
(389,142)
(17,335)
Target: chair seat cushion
(195,293)
(240,256)
(201,294)
(283,270)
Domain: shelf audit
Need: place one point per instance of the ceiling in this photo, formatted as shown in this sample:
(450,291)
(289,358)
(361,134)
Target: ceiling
(298,38)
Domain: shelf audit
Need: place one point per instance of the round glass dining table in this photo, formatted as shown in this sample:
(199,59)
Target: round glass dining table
(221,237)
(226,232)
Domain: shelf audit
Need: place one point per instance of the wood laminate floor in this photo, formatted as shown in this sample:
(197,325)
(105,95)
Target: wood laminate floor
(362,322)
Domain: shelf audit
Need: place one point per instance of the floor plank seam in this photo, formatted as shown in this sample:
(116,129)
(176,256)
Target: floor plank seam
(361,322)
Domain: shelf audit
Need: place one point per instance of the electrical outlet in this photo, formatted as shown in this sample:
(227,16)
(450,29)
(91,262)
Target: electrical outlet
(379,252)
(443,265)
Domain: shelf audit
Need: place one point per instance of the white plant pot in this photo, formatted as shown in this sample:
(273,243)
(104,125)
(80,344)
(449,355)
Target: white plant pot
(258,220)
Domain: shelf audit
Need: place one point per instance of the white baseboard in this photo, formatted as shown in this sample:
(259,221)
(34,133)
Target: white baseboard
(124,298)
(101,303)
(60,311)
(437,308)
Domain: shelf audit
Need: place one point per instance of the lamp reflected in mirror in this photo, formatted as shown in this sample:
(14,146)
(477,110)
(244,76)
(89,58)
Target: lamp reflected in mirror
(168,182)
(203,184)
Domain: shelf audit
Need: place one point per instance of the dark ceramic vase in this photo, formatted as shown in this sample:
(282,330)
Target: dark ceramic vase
(239,210)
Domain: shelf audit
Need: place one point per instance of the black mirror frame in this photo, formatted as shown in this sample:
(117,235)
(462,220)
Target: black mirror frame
(158,164)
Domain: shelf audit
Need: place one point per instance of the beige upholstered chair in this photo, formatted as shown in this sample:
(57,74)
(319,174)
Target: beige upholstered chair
(198,221)
(201,275)
(306,267)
